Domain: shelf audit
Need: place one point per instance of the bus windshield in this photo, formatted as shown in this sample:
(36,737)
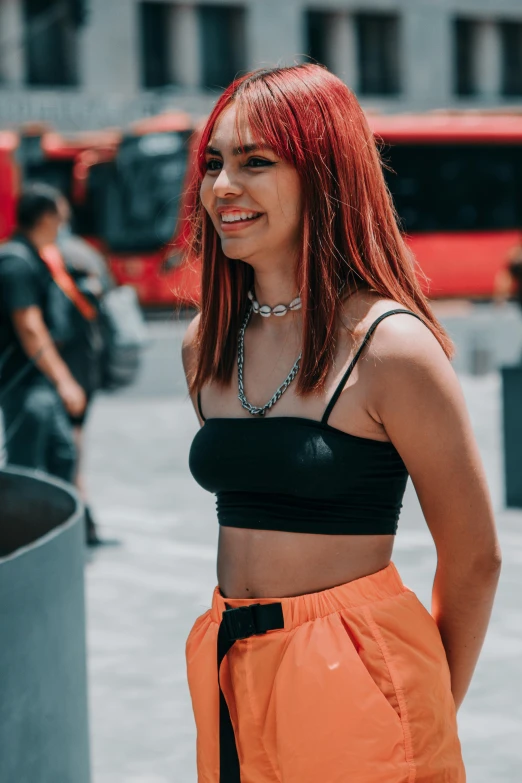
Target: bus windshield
(38,167)
(134,200)
(456,187)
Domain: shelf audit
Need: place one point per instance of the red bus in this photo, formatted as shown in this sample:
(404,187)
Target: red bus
(45,155)
(127,202)
(9,182)
(124,189)
(456,180)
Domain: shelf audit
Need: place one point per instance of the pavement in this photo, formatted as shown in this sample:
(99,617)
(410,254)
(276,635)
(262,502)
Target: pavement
(143,596)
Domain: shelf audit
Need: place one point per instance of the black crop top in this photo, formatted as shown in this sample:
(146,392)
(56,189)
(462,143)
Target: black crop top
(300,475)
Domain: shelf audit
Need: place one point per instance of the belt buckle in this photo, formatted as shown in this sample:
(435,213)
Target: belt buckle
(239,622)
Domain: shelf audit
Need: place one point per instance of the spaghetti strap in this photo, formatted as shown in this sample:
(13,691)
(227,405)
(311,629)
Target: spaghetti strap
(199,406)
(337,393)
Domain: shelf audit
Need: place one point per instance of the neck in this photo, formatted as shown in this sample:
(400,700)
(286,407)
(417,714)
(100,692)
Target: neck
(275,288)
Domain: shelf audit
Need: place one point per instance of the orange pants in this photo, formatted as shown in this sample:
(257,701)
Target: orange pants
(354,689)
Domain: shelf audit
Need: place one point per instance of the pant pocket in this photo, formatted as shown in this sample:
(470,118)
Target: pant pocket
(373,664)
(327,720)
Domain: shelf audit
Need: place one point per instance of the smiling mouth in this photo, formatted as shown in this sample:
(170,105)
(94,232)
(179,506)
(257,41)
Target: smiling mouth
(239,217)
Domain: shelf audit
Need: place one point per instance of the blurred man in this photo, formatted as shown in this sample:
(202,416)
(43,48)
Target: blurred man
(38,393)
(82,353)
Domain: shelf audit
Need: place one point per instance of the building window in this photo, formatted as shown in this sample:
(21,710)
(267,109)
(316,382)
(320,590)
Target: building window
(511,42)
(465,48)
(222,36)
(317,31)
(191,45)
(378,54)
(155,40)
(50,43)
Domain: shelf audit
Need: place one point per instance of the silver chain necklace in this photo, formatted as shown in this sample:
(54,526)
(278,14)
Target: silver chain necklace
(240,364)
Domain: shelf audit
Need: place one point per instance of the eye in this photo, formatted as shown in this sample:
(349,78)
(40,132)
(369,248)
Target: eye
(256,163)
(213,164)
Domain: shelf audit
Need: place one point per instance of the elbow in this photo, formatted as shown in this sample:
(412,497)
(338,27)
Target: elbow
(480,566)
(487,565)
(496,561)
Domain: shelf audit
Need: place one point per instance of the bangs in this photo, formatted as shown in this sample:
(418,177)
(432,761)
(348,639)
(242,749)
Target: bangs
(258,110)
(267,116)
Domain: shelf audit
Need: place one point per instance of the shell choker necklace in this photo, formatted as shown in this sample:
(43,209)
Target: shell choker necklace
(266,311)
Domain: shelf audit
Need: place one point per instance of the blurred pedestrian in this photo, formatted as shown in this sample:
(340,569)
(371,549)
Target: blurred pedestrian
(83,351)
(338,672)
(38,393)
(508,281)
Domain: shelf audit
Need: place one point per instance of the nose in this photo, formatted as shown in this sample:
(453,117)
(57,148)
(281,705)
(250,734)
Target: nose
(225,185)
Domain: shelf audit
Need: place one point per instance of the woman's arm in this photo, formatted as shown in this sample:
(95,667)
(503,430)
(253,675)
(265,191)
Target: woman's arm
(419,402)
(189,357)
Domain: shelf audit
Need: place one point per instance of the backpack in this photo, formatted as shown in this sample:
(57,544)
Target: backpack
(118,316)
(124,337)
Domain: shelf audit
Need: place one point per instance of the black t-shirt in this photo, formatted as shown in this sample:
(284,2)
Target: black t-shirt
(24,282)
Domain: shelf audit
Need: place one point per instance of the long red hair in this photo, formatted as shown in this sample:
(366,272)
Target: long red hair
(350,236)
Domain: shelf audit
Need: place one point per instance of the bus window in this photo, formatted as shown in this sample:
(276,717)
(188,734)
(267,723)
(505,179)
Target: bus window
(88,217)
(456,188)
(134,200)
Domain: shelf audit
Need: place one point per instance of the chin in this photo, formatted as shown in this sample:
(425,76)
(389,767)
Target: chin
(236,251)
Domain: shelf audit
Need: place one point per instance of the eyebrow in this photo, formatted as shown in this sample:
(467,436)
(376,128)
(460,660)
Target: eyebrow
(244,150)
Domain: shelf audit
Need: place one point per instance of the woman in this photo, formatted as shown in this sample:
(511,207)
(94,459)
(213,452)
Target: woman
(329,668)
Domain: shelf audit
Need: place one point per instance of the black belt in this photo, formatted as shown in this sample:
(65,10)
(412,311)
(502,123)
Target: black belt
(239,623)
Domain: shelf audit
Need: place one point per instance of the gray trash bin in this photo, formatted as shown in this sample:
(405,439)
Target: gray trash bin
(512,427)
(43,684)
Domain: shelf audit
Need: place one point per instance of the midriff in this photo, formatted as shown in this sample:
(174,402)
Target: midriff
(279,564)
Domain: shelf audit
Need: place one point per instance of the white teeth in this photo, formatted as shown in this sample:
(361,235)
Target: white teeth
(237,216)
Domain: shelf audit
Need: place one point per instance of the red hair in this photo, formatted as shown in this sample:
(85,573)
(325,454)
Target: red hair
(350,236)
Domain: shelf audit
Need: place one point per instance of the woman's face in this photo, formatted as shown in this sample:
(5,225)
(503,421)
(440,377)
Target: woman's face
(252,196)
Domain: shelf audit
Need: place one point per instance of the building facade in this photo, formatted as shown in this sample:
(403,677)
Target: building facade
(82,64)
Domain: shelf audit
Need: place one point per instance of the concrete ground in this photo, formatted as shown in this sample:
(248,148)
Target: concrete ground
(143,596)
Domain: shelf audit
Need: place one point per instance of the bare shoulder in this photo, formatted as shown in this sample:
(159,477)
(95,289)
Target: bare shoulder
(403,360)
(404,337)
(189,345)
(407,368)
(398,337)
